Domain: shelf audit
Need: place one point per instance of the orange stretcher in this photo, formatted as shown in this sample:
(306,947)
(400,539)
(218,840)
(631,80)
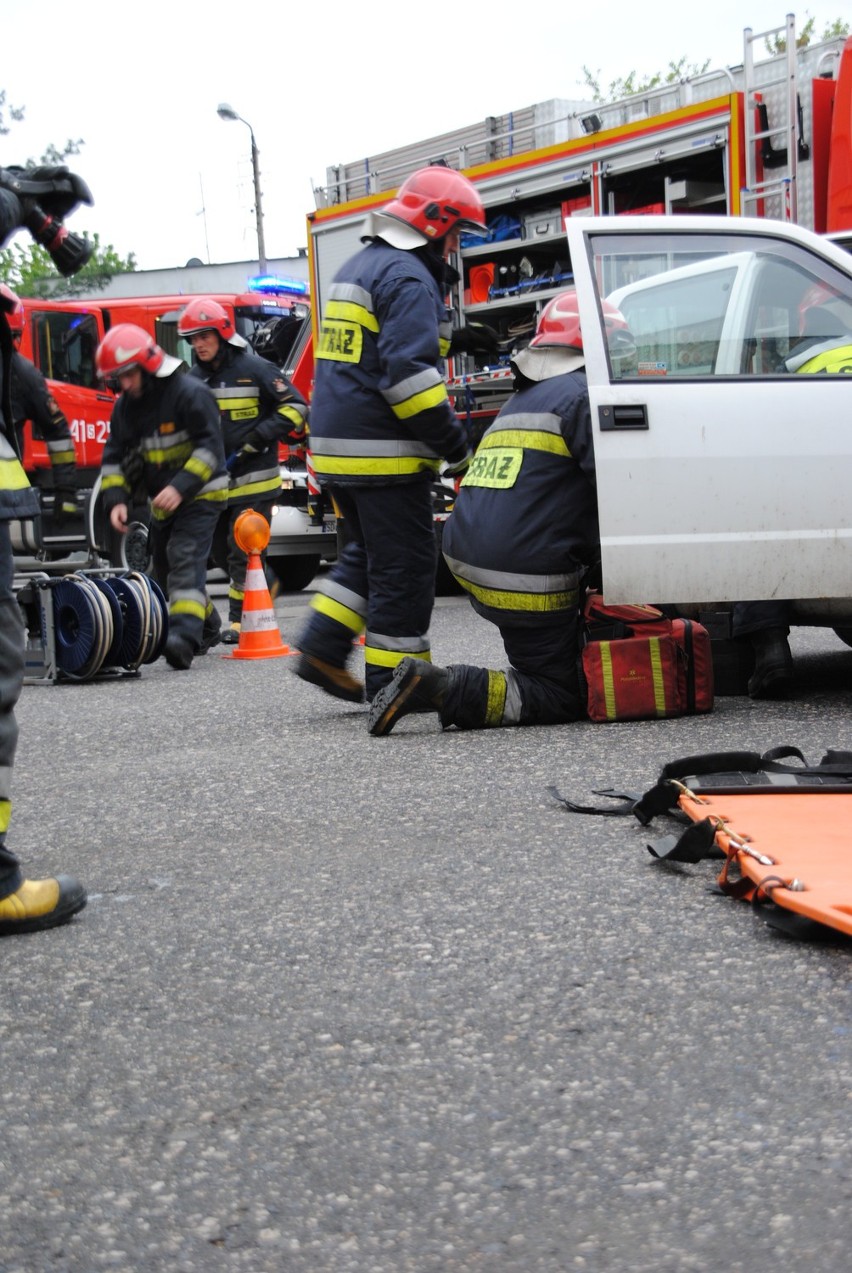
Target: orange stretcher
(793,849)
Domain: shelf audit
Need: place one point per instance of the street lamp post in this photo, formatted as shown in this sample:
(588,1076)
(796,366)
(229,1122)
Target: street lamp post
(224,111)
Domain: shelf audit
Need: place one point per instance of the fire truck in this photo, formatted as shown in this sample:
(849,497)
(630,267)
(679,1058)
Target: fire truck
(771,138)
(61,338)
(712,210)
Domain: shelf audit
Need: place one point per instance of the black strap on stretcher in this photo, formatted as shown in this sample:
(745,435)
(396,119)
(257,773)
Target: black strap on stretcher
(717,773)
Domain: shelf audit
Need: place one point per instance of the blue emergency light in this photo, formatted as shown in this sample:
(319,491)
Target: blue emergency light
(272,285)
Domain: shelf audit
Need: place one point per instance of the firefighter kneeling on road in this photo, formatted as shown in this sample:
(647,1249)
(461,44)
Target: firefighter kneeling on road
(171,423)
(32,400)
(523,530)
(258,409)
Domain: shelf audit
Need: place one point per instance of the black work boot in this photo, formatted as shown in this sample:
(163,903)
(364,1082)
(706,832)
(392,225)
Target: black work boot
(416,686)
(211,633)
(178,652)
(334,680)
(773,664)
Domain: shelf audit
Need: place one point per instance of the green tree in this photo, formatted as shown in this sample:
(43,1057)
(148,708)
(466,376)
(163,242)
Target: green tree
(29,271)
(777,43)
(632,83)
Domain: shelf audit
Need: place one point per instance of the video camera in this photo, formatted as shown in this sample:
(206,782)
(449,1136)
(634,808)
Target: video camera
(46,196)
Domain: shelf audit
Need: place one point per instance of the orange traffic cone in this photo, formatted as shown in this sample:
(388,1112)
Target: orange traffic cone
(259,634)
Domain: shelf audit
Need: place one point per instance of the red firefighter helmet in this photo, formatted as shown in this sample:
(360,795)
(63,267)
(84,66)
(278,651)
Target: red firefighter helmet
(203,314)
(557,345)
(126,346)
(436,200)
(559,323)
(13,307)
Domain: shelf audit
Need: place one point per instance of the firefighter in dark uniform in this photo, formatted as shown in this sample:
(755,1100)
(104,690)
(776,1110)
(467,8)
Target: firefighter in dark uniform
(258,409)
(381,422)
(522,533)
(33,401)
(25,905)
(171,423)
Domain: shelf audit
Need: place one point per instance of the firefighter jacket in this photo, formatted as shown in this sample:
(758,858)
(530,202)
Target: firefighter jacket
(379,410)
(525,519)
(17,497)
(173,429)
(32,400)
(258,409)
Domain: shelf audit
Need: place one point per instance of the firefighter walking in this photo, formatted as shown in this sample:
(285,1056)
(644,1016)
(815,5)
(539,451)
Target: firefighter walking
(523,531)
(258,410)
(33,401)
(381,421)
(170,422)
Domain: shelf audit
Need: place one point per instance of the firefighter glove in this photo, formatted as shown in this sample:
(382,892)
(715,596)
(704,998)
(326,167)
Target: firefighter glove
(457,467)
(475,338)
(252,445)
(68,251)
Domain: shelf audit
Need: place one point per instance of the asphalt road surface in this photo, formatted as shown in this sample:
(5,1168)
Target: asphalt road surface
(353,1004)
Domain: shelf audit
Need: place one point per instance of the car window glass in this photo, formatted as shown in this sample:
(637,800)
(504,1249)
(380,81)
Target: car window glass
(64,345)
(701,306)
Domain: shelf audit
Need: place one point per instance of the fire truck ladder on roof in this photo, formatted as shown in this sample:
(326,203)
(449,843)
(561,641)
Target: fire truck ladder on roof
(780,160)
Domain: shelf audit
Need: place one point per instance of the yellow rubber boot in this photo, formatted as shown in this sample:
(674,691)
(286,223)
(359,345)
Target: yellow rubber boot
(39,904)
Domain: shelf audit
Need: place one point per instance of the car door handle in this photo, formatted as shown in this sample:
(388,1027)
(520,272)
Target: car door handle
(617,416)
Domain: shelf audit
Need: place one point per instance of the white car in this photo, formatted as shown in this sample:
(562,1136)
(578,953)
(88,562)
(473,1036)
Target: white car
(723,473)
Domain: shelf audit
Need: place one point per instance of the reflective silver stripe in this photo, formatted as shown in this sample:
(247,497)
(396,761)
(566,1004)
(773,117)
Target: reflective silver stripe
(345,596)
(445,330)
(541,422)
(205,457)
(256,475)
(162,444)
(236,391)
(60,444)
(111,470)
(400,645)
(405,389)
(352,293)
(365,447)
(512,707)
(216,484)
(506,581)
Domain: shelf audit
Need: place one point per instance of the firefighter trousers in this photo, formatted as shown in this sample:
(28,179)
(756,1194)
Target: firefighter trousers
(384,579)
(11,680)
(540,687)
(180,549)
(229,557)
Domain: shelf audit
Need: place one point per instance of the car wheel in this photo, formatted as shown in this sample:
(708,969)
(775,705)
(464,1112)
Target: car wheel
(294,573)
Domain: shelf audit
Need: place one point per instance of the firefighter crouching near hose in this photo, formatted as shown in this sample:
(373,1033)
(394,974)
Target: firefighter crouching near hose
(26,905)
(381,421)
(171,423)
(33,401)
(521,535)
(258,409)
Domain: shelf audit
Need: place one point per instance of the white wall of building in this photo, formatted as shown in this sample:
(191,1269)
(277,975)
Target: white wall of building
(195,279)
